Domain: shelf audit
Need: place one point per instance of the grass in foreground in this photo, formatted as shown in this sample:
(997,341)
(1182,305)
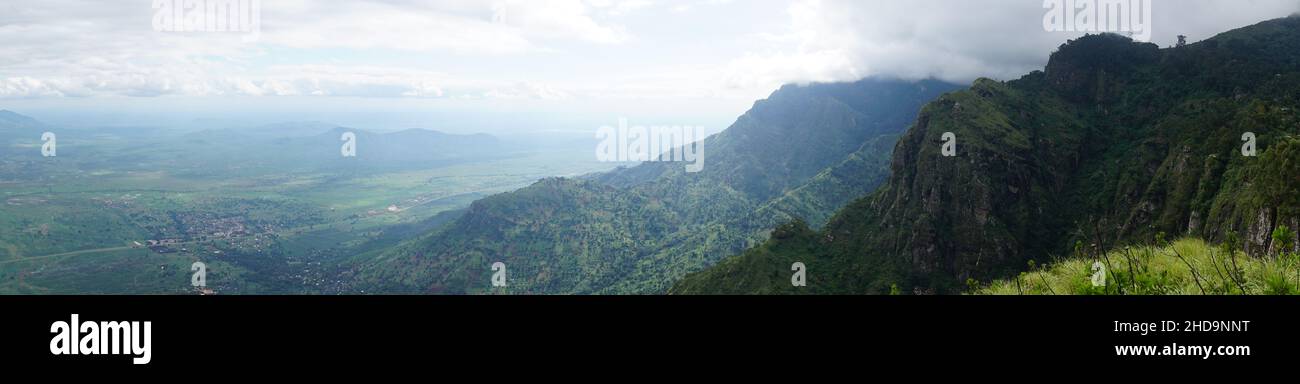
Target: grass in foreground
(1185,267)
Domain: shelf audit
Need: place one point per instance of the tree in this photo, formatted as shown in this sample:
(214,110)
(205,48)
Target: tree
(1182,40)
(1283,239)
(1276,180)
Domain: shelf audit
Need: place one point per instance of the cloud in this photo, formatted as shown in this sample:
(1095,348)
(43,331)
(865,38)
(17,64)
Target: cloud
(367,25)
(620,8)
(83,48)
(497,27)
(842,40)
(280,80)
(527,90)
(547,49)
(26,87)
(562,18)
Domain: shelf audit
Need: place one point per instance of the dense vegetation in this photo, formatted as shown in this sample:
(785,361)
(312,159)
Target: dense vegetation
(802,153)
(1114,142)
(1185,267)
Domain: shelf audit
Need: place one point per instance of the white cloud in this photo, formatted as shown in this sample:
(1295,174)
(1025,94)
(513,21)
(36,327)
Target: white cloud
(546,49)
(836,40)
(72,48)
(620,8)
(765,71)
(491,27)
(385,26)
(527,91)
(559,19)
(22,86)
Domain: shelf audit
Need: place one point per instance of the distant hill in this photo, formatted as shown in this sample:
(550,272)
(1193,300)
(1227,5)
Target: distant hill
(288,129)
(14,125)
(1113,142)
(803,152)
(11,119)
(14,128)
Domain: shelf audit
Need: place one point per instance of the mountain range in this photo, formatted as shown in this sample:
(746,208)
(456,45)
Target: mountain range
(878,186)
(799,154)
(1113,143)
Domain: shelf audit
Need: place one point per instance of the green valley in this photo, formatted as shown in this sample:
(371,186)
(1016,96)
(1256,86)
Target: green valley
(271,210)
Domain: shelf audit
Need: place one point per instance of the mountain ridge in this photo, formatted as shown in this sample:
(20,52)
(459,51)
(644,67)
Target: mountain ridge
(635,230)
(1113,143)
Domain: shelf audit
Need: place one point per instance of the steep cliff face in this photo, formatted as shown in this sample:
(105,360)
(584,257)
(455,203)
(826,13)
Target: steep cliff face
(1115,142)
(802,153)
(990,205)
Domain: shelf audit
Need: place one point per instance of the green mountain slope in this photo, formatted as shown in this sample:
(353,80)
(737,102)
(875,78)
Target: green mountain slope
(1115,141)
(803,152)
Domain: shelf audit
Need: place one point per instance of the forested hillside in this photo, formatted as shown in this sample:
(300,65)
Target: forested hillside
(1114,142)
(802,153)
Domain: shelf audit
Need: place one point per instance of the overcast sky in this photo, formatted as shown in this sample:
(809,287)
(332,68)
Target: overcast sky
(502,66)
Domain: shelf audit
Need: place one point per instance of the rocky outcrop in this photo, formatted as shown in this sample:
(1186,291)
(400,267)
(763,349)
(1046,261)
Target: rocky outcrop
(1114,143)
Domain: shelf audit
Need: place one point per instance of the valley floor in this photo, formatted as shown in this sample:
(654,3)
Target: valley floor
(99,229)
